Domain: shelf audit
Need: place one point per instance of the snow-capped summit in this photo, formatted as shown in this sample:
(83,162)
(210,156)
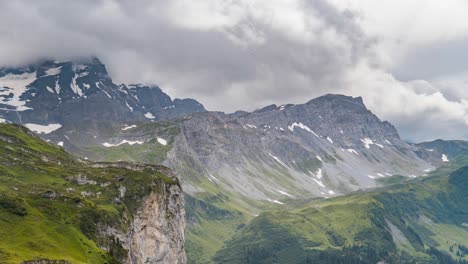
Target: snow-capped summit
(72,91)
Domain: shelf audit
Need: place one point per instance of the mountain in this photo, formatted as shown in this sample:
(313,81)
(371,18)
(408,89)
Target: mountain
(245,163)
(232,167)
(56,208)
(51,94)
(439,151)
(422,221)
(328,146)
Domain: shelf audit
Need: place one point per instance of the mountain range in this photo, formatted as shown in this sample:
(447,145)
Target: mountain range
(232,167)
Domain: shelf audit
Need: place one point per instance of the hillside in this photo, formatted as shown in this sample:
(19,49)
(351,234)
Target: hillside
(419,221)
(54,206)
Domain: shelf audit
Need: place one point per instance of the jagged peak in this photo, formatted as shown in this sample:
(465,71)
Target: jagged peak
(142,86)
(268,108)
(338,98)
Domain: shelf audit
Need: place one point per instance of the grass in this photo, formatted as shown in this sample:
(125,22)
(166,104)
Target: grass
(150,152)
(355,227)
(65,226)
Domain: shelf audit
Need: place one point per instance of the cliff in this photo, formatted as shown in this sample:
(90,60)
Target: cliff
(55,208)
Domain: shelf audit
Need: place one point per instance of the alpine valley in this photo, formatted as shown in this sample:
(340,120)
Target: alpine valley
(326,181)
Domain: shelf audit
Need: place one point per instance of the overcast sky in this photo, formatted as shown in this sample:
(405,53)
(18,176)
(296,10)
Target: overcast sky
(408,59)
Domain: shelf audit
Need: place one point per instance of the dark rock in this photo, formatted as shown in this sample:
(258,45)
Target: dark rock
(49,194)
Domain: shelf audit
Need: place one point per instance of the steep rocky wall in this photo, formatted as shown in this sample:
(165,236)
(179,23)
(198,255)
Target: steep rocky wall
(157,231)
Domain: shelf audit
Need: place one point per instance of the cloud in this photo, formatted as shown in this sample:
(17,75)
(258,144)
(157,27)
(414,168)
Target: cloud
(244,54)
(420,110)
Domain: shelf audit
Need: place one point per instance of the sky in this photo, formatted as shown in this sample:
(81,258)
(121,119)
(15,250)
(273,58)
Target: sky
(408,59)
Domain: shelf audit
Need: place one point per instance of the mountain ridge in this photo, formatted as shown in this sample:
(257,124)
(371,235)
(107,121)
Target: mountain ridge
(61,92)
(234,166)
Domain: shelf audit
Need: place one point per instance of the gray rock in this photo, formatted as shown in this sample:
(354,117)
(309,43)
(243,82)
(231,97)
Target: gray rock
(76,91)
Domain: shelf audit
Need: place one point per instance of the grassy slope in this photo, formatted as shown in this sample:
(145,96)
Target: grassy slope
(206,231)
(65,227)
(426,214)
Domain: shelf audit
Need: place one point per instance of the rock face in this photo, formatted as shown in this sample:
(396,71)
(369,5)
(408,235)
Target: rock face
(71,92)
(157,232)
(330,145)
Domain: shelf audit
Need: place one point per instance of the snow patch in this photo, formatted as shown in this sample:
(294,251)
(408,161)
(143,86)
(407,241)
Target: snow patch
(251,126)
(444,158)
(276,158)
(129,127)
(108,145)
(60,143)
(149,115)
(15,84)
(319,183)
(367,142)
(41,129)
(57,86)
(53,71)
(353,151)
(284,193)
(319,158)
(50,89)
(108,95)
(331,192)
(302,126)
(129,107)
(274,201)
(319,173)
(162,141)
(74,86)
(370,176)
(330,140)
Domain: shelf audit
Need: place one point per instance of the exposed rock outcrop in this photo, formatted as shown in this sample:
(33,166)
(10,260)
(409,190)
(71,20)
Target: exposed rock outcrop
(157,233)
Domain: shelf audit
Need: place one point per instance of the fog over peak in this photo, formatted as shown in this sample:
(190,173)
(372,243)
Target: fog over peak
(409,67)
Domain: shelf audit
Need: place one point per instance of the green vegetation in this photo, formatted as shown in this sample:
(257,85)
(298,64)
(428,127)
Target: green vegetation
(150,152)
(418,221)
(452,148)
(54,206)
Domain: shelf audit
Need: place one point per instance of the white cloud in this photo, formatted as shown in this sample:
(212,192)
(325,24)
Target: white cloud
(404,57)
(405,26)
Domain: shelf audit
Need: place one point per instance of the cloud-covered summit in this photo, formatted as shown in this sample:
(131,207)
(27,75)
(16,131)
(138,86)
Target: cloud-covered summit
(407,65)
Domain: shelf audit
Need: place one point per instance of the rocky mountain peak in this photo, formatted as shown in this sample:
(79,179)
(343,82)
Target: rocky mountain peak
(334,101)
(73,91)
